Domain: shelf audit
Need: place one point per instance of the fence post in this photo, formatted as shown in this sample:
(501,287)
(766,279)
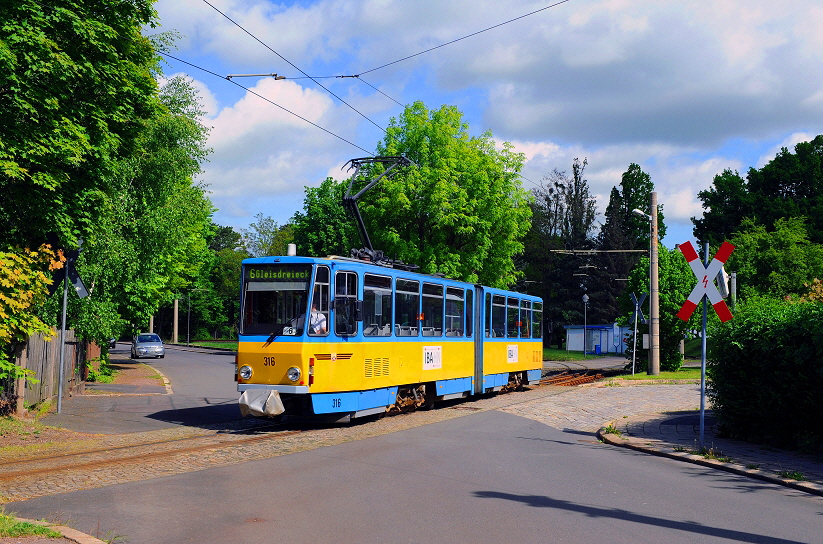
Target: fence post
(20,387)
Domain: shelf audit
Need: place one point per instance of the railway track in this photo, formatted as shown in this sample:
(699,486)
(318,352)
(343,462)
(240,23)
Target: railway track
(136,453)
(569,378)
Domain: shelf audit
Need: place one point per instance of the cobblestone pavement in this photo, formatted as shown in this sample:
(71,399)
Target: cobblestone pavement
(589,408)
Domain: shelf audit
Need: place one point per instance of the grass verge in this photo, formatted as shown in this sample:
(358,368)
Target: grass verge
(682,374)
(10,527)
(554,354)
(223,345)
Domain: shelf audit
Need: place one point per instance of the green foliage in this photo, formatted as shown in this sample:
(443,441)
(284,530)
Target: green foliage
(23,287)
(11,528)
(790,185)
(622,230)
(461,211)
(103,374)
(324,227)
(265,237)
(766,372)
(676,280)
(777,263)
(75,86)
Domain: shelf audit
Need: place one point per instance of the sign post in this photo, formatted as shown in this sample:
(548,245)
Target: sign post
(65,275)
(705,272)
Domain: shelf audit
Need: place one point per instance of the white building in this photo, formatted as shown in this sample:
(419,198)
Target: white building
(600,339)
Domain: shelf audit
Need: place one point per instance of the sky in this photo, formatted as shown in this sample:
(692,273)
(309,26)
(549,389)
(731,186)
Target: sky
(684,89)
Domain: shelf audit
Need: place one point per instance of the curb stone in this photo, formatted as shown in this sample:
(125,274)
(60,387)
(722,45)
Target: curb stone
(643,445)
(67,532)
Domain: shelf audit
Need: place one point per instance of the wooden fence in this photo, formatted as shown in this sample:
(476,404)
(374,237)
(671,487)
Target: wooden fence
(43,357)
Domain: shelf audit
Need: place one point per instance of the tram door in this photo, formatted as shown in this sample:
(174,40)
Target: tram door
(478,318)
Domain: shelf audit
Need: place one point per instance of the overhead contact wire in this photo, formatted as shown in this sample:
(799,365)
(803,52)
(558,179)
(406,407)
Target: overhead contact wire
(463,38)
(267,100)
(294,66)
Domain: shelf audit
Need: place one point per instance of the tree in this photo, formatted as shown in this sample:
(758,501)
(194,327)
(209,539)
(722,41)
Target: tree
(23,287)
(76,86)
(461,211)
(323,227)
(564,218)
(622,230)
(149,243)
(790,185)
(224,238)
(726,204)
(777,263)
(265,237)
(676,281)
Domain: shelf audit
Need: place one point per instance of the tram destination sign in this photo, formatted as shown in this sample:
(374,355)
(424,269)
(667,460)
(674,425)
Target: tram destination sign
(272,273)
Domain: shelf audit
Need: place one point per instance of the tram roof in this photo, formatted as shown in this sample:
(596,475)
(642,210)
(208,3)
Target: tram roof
(370,266)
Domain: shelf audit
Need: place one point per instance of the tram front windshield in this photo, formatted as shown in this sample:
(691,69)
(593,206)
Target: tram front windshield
(275,299)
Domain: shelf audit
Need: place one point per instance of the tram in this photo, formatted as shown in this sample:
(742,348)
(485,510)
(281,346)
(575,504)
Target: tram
(346,338)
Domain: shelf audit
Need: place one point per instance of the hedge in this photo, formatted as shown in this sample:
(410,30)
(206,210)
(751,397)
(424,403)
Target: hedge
(766,373)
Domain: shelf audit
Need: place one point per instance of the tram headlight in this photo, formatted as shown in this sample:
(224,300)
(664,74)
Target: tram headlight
(293,373)
(245,372)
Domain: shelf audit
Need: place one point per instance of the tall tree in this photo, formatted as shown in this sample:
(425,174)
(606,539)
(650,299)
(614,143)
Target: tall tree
(790,185)
(726,204)
(622,230)
(777,263)
(461,211)
(265,237)
(76,87)
(149,243)
(323,227)
(564,218)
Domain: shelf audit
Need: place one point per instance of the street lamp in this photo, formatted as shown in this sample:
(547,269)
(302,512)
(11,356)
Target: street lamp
(654,289)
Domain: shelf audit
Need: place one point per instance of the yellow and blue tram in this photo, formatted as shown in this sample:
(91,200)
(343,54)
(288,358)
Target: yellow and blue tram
(350,338)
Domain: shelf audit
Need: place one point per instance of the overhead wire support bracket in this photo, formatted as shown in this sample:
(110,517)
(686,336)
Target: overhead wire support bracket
(275,76)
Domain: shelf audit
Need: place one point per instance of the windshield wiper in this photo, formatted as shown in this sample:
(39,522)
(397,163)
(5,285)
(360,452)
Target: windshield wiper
(275,334)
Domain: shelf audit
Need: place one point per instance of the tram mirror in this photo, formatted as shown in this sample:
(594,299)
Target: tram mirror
(358,310)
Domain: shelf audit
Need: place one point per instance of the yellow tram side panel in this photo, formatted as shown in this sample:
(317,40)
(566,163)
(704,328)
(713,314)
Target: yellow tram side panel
(373,365)
(496,356)
(270,363)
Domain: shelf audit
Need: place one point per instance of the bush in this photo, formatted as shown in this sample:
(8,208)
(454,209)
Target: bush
(766,372)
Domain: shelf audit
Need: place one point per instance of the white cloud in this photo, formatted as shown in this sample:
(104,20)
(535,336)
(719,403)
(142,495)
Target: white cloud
(683,89)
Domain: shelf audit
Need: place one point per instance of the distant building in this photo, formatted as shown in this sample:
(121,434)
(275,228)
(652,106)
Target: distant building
(600,339)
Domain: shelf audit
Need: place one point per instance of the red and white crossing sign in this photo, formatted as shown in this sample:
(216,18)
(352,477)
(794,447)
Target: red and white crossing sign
(705,281)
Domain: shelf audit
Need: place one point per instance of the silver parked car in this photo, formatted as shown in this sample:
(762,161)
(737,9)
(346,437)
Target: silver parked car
(147,345)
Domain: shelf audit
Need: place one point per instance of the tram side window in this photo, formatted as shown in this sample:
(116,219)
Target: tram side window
(498,316)
(319,316)
(432,324)
(537,316)
(525,318)
(488,315)
(454,311)
(406,307)
(345,303)
(469,312)
(512,318)
(376,305)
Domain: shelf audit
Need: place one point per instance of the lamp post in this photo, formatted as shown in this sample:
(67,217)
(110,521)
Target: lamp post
(654,289)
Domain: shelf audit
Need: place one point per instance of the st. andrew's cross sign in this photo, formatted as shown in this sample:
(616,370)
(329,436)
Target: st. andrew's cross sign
(705,281)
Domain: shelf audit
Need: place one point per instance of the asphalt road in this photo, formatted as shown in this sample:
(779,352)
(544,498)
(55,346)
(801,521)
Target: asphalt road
(487,477)
(203,392)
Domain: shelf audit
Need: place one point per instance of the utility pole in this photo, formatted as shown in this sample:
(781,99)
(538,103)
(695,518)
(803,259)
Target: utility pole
(654,291)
